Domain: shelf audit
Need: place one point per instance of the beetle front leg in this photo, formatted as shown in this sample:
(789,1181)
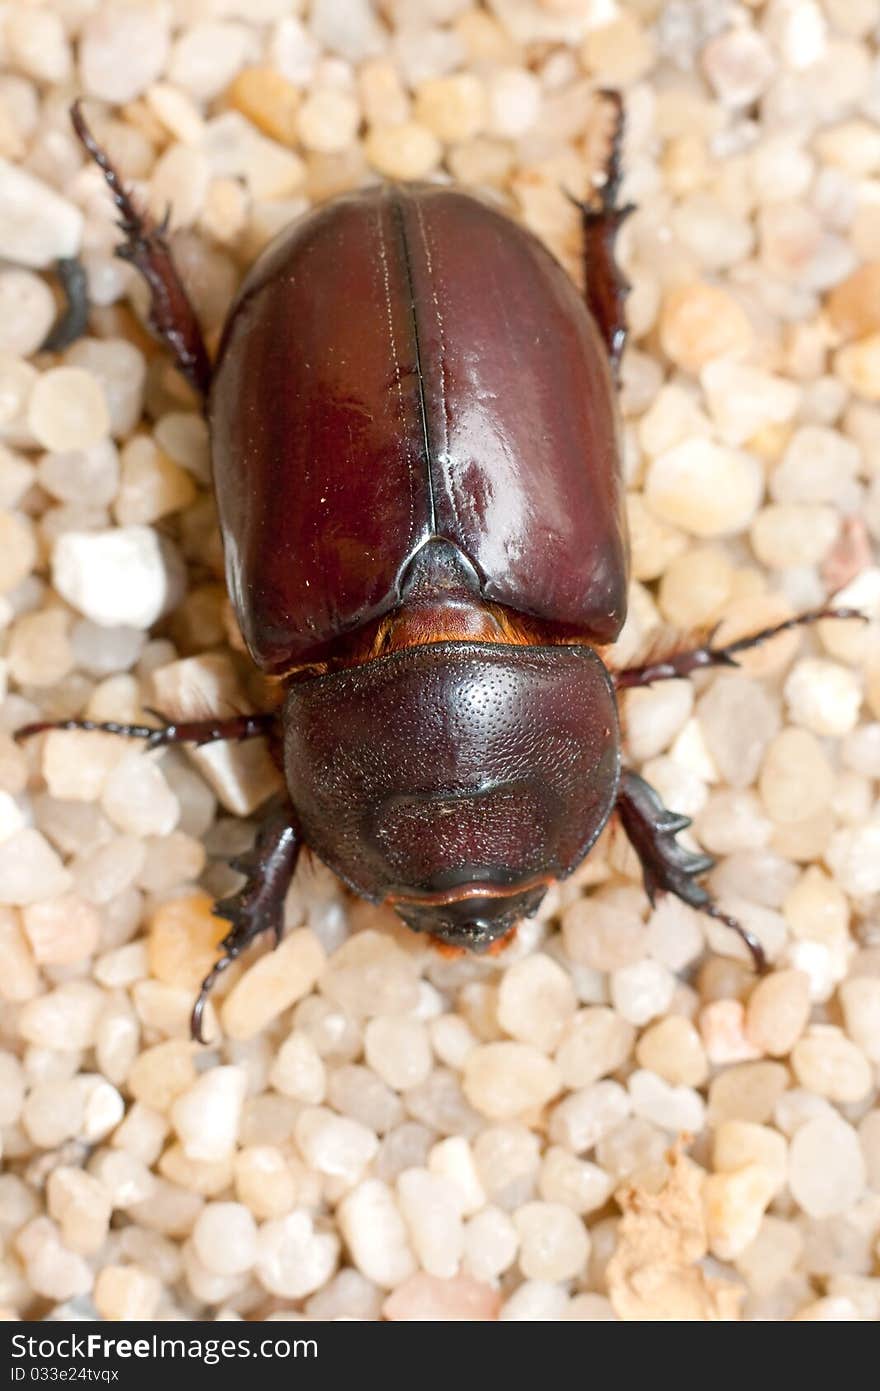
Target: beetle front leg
(145,246)
(680,664)
(258,906)
(668,867)
(606,286)
(197,732)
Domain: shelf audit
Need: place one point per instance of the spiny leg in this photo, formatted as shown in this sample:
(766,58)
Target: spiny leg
(606,286)
(681,664)
(668,867)
(73,321)
(171,313)
(238,727)
(258,906)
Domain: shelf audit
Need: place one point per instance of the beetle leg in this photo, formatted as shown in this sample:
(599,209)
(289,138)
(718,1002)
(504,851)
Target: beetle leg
(258,906)
(606,285)
(698,658)
(145,246)
(74,318)
(668,867)
(169,732)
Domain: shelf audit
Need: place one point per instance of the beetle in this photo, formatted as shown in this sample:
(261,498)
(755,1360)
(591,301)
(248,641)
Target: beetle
(416,460)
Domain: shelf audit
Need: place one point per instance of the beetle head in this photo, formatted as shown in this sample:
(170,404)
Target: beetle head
(455,780)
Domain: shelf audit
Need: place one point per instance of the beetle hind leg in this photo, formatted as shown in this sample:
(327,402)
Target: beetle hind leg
(606,286)
(258,906)
(146,247)
(667,866)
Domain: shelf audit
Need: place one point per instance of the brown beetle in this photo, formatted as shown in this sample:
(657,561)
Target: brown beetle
(416,461)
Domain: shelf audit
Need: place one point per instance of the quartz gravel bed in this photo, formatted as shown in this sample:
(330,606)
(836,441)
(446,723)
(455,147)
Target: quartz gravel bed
(615,1119)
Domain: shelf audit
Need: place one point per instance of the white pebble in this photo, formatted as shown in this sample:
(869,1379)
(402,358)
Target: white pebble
(334,1144)
(705,488)
(535,1000)
(674,1108)
(294,1258)
(225,1238)
(826,1167)
(642,991)
(125,576)
(431,1208)
(122,50)
(37,225)
(823,696)
(374,1230)
(207,1116)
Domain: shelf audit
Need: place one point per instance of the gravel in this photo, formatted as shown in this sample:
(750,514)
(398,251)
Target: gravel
(611,1121)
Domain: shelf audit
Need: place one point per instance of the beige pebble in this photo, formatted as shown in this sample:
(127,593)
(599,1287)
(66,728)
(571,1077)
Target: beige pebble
(274,982)
(127,1293)
(704,488)
(535,1001)
(328,120)
(673,1049)
(722,1025)
(68,410)
(796,776)
(502,1080)
(858,366)
(831,1065)
(735,1204)
(747,1091)
(777,1012)
(406,151)
(701,321)
(453,108)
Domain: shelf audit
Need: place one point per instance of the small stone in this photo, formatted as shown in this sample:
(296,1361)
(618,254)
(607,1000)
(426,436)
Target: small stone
(120,369)
(673,1108)
(30,870)
(819,465)
(127,1293)
(740,65)
(777,1012)
(576,1183)
(829,1064)
(371,976)
(81,1207)
(453,1159)
(405,151)
(858,366)
(152,486)
(853,859)
(704,488)
(18,550)
(554,1244)
(37,225)
(349,28)
(298,1070)
(581,1119)
(700,322)
(826,1167)
(514,102)
(454,108)
(535,1000)
(604,935)
(490,1244)
(121,51)
(594,1043)
(51,1271)
(61,930)
(328,120)
(431,1208)
(620,52)
(137,798)
(335,1144)
(508,1160)
(87,568)
(264,1181)
(642,991)
(269,100)
(738,720)
(207,1116)
(27,312)
(225,1238)
(823,696)
(398,1050)
(654,715)
(425,1298)
(374,1230)
(860,999)
(501,1080)
(745,400)
(747,1091)
(673,1050)
(853,306)
(735,1204)
(206,57)
(274,982)
(786,536)
(535,1301)
(39,649)
(68,409)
